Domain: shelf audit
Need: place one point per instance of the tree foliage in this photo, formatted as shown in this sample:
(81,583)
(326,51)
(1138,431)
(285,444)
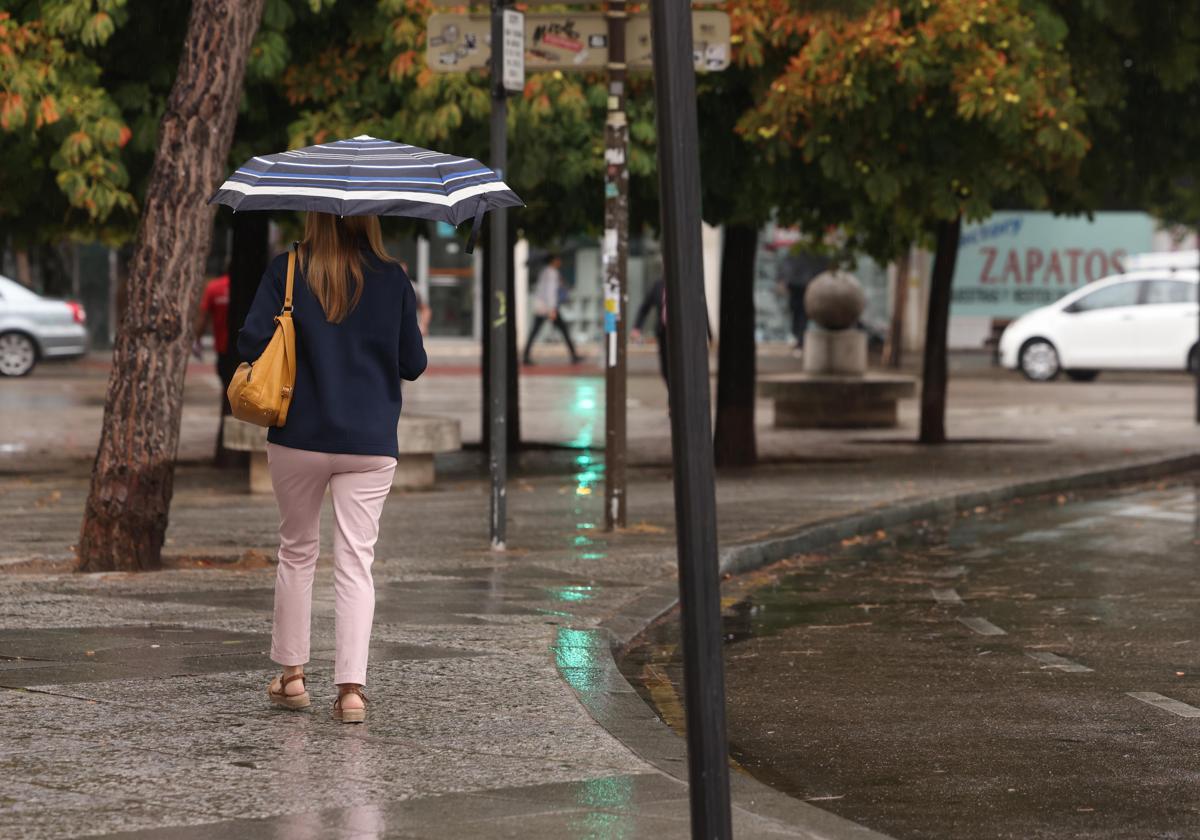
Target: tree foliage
(121,60)
(1137,67)
(58,124)
(916,112)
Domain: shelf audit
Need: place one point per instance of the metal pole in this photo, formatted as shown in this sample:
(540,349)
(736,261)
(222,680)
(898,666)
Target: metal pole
(691,432)
(496,307)
(616,260)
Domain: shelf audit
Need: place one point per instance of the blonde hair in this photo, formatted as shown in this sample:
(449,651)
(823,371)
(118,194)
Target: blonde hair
(332,259)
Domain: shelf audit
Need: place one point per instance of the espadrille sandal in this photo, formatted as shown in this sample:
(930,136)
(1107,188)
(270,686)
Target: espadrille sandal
(289,701)
(349,715)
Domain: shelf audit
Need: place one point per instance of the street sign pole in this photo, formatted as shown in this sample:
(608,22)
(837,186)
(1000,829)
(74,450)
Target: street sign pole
(691,431)
(615,258)
(496,308)
(576,41)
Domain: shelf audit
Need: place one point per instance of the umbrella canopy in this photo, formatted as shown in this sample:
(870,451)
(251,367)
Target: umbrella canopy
(368,177)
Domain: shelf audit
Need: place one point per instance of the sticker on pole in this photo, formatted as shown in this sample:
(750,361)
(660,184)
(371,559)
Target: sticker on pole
(514,51)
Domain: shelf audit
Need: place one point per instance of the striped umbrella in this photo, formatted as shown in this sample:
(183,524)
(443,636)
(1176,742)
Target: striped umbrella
(369,177)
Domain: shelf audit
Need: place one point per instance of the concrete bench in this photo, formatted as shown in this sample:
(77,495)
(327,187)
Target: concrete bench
(810,401)
(420,438)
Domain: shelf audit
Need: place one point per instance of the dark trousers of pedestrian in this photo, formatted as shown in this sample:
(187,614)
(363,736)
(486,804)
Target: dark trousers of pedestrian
(227,364)
(560,325)
(660,338)
(799,316)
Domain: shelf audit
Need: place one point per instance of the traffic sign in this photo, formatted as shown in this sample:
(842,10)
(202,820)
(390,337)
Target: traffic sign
(514,50)
(568,41)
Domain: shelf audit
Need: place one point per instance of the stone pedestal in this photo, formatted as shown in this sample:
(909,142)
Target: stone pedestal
(835,352)
(836,402)
(260,471)
(835,391)
(419,438)
(414,471)
(246,437)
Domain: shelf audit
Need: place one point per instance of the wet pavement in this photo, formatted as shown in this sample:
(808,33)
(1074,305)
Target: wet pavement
(134,703)
(133,706)
(1031,671)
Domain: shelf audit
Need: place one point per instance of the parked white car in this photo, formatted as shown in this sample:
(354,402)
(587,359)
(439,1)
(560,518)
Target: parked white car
(1143,320)
(33,328)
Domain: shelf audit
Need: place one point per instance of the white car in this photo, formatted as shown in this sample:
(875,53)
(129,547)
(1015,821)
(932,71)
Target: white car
(1143,320)
(33,328)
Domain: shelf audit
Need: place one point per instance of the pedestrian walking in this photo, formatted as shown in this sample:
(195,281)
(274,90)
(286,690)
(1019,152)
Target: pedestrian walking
(357,336)
(655,300)
(348,314)
(796,271)
(548,295)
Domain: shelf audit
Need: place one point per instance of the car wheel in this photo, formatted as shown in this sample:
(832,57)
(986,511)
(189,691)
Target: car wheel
(1082,375)
(1194,360)
(18,354)
(1039,360)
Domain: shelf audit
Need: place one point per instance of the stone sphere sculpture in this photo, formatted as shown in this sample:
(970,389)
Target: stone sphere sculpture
(835,300)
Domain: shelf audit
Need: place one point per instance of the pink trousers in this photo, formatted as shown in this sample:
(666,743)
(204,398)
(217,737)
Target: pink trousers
(359,485)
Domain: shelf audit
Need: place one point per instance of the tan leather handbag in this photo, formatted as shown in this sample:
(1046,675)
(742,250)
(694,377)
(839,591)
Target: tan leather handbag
(261,391)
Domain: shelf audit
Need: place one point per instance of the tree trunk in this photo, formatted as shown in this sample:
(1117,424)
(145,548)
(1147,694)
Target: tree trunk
(133,476)
(248,258)
(24,269)
(893,351)
(734,442)
(933,388)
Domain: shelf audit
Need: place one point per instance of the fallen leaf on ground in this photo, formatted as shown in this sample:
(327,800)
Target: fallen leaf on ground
(643,528)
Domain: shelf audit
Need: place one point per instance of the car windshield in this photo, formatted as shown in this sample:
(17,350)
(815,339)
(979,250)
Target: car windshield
(1170,291)
(1118,294)
(12,290)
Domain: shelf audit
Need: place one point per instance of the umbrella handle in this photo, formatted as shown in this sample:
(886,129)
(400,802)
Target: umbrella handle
(480,209)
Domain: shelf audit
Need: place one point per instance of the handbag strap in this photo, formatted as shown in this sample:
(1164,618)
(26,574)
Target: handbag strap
(287,294)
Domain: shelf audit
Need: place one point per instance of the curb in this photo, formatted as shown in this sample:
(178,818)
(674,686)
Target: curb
(749,556)
(623,713)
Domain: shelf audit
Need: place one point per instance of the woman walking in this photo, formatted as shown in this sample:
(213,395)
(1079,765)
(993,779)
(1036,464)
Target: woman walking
(356,337)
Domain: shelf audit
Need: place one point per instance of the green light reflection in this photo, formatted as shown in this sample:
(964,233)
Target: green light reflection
(612,792)
(572,594)
(589,470)
(573,650)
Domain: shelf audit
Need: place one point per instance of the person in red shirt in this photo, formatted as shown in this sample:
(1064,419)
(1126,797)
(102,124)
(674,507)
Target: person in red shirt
(214,311)
(214,307)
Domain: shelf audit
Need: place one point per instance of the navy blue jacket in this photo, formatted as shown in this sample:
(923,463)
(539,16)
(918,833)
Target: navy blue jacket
(347,397)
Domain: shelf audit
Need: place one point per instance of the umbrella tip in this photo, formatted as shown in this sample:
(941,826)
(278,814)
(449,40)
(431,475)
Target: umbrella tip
(364,137)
